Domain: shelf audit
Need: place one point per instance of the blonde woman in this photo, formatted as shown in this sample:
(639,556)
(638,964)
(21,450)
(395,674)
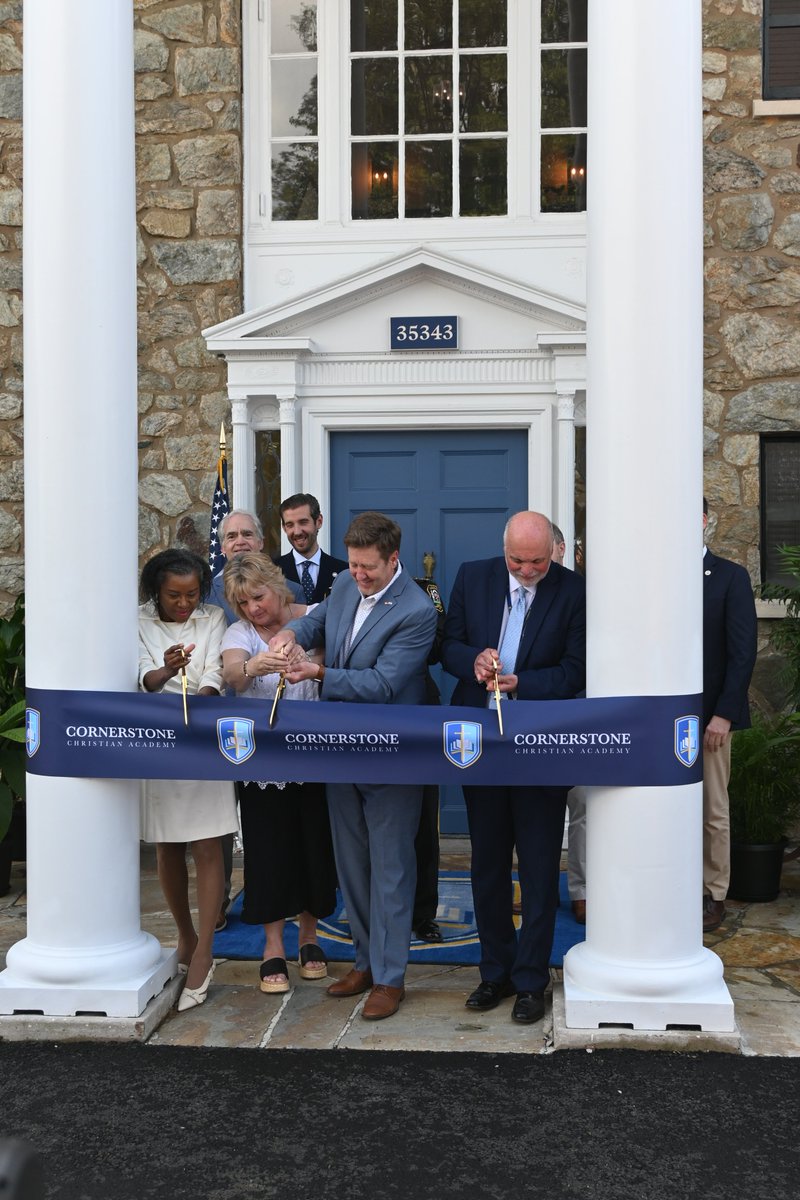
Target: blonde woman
(288,854)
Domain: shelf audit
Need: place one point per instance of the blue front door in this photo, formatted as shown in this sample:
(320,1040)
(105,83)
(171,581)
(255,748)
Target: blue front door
(451,493)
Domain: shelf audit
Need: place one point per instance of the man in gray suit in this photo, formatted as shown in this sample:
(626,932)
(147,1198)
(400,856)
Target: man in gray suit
(377,627)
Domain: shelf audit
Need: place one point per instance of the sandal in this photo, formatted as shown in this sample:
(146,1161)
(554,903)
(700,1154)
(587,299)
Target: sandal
(274,966)
(313,963)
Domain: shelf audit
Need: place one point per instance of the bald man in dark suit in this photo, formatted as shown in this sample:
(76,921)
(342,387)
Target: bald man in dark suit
(528,613)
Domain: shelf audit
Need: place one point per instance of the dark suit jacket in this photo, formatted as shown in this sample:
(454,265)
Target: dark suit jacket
(729,640)
(551,662)
(329,568)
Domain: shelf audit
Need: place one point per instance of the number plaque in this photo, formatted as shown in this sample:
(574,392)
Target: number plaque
(423,333)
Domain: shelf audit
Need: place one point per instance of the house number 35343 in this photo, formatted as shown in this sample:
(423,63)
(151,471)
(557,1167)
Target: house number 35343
(428,333)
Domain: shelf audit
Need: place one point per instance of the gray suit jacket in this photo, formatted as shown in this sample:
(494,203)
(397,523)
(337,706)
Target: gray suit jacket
(387,661)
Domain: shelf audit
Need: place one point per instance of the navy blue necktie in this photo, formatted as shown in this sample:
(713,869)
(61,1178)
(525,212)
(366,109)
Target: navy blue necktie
(307,583)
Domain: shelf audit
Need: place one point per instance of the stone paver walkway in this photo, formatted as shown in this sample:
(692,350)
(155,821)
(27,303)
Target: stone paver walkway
(759,945)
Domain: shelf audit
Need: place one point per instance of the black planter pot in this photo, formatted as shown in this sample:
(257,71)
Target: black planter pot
(5,866)
(17,833)
(756,870)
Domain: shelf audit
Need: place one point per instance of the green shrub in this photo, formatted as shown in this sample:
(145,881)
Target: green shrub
(764,788)
(12,712)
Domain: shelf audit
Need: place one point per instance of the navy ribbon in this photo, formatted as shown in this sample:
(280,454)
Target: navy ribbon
(620,741)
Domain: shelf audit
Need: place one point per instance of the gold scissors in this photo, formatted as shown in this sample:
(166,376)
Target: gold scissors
(184,689)
(278,694)
(498,694)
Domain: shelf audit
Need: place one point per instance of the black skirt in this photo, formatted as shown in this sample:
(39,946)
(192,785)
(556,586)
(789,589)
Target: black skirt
(288,853)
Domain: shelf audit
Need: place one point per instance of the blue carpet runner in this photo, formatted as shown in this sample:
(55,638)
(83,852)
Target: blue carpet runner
(455,916)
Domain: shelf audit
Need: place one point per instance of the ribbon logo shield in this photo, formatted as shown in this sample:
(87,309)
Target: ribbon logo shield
(462,742)
(236,738)
(687,740)
(33,726)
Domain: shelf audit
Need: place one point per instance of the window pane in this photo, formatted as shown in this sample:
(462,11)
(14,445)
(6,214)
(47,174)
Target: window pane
(374,180)
(429,24)
(482,174)
(293,26)
(563,88)
(429,94)
(482,23)
(563,20)
(268,487)
(373,26)
(373,103)
(294,183)
(294,96)
(482,92)
(564,172)
(429,179)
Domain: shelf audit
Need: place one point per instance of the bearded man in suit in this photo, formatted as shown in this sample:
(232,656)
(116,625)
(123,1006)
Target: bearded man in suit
(306,563)
(377,627)
(528,614)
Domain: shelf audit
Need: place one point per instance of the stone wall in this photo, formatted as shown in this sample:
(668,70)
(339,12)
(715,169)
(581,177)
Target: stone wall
(189,198)
(189,201)
(752,273)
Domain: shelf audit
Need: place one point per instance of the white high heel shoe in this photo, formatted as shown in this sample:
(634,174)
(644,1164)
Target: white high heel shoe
(192,997)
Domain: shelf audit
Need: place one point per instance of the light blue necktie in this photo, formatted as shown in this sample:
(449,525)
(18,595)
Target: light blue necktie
(513,633)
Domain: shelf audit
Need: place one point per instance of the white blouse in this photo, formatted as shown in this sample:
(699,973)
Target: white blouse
(205,627)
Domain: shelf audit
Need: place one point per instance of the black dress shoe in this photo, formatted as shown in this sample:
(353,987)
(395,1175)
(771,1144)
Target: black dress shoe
(488,995)
(428,931)
(713,914)
(528,1007)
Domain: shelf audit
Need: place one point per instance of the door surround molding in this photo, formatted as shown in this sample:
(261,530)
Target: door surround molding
(532,413)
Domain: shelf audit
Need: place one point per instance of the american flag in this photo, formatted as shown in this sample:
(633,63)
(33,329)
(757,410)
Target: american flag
(219,509)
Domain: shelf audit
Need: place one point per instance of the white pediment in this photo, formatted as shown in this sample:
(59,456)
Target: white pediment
(352,314)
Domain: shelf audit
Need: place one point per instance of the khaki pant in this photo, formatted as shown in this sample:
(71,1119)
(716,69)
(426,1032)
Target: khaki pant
(716,822)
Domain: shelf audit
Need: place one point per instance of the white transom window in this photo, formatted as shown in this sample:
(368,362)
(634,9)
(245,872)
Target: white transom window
(364,112)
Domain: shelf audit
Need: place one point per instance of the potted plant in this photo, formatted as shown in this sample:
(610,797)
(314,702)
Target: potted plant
(764,795)
(12,740)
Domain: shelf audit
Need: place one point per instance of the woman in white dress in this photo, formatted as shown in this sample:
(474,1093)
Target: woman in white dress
(176,633)
(288,852)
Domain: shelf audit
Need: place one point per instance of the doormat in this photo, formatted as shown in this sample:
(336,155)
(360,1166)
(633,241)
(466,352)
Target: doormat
(455,916)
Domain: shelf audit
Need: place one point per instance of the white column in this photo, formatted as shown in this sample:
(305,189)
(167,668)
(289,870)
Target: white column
(643,960)
(287,416)
(565,501)
(85,950)
(243,463)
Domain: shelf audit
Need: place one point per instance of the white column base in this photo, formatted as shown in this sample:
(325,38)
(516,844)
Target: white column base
(38,981)
(689,993)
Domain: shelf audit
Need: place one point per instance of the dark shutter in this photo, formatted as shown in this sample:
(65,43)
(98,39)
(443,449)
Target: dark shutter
(781,49)
(780,501)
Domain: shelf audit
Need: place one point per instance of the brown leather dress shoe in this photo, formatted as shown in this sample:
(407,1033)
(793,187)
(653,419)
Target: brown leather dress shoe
(353,984)
(713,914)
(579,911)
(383,1001)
